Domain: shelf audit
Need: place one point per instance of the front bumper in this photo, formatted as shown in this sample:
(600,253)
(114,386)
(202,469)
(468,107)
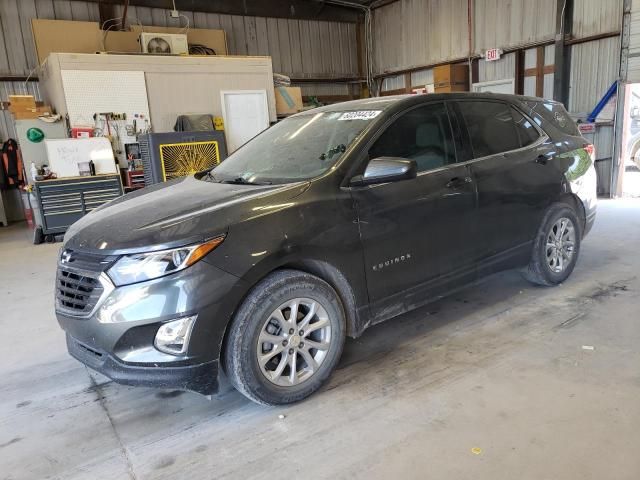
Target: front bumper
(117,338)
(201,378)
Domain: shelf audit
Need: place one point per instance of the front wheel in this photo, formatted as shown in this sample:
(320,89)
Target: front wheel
(556,247)
(285,339)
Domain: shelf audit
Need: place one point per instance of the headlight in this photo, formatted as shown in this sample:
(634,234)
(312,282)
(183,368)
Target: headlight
(139,267)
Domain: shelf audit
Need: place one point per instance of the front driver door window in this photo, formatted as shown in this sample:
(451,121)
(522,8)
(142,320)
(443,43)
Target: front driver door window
(416,232)
(423,135)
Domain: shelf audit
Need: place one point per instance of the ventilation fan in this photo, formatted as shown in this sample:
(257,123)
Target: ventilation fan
(164,43)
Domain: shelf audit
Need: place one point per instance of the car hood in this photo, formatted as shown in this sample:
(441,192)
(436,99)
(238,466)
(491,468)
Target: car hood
(172,214)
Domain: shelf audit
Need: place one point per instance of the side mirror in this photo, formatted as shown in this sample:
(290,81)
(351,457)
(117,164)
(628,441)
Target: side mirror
(386,169)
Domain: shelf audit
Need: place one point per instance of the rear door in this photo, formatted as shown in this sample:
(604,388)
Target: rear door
(417,232)
(511,165)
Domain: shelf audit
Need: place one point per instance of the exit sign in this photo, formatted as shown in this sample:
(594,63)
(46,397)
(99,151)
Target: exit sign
(492,54)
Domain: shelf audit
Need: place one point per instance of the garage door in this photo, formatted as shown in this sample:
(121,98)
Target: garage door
(633,66)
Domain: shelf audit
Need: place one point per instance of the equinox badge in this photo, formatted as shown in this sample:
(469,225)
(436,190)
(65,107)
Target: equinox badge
(391,261)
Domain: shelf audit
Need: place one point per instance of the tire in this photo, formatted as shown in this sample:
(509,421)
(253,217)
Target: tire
(542,269)
(266,314)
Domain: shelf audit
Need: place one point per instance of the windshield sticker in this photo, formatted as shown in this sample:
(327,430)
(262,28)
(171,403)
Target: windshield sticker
(360,115)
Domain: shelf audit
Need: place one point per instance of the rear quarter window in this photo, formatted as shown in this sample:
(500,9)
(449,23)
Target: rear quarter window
(556,114)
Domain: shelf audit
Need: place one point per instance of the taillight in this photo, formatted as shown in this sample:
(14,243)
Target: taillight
(591,150)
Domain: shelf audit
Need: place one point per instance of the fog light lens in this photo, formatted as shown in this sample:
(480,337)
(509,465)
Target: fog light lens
(173,337)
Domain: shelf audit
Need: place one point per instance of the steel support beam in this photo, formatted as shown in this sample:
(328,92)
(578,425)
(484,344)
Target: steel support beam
(564,26)
(299,9)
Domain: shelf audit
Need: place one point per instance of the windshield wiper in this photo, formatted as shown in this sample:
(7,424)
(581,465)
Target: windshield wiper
(242,181)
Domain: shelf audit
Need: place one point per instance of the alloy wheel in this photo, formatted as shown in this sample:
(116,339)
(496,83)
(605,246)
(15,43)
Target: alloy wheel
(293,342)
(561,241)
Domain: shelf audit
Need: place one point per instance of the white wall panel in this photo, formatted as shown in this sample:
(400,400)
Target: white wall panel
(422,77)
(393,83)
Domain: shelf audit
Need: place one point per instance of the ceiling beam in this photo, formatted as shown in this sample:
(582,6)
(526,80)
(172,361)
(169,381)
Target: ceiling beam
(299,9)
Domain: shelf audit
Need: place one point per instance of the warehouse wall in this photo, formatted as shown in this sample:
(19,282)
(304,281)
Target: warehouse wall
(592,17)
(511,23)
(410,33)
(299,48)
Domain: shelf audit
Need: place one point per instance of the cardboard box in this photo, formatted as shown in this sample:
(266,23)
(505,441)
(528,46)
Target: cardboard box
(19,103)
(288,100)
(454,76)
(65,36)
(32,113)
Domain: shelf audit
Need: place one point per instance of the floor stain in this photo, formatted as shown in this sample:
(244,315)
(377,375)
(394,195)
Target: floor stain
(570,322)
(10,442)
(170,394)
(165,462)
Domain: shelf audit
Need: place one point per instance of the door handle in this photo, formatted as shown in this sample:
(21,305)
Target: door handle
(542,159)
(457,182)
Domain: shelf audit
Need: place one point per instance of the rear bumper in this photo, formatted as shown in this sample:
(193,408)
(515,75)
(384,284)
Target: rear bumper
(201,378)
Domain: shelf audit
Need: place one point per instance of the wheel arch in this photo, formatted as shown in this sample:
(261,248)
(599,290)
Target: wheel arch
(574,202)
(357,320)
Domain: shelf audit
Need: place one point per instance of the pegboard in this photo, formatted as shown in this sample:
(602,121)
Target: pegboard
(88,92)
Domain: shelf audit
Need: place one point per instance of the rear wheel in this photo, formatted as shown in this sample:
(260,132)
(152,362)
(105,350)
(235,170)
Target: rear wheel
(556,247)
(286,338)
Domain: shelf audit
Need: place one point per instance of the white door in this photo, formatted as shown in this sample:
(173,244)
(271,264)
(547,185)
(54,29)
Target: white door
(245,114)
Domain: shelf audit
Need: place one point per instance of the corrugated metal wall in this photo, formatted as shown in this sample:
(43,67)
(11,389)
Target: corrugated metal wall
(510,23)
(299,48)
(502,69)
(591,17)
(594,67)
(410,33)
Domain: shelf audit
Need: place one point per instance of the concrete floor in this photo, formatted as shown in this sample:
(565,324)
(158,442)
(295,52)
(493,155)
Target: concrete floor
(494,383)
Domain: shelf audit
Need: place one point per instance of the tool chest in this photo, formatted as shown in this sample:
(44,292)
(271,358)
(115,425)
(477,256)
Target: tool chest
(66,200)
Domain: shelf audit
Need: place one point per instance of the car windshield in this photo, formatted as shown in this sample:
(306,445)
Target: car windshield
(298,148)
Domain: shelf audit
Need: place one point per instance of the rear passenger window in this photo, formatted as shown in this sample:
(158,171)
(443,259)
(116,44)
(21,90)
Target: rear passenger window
(526,131)
(490,126)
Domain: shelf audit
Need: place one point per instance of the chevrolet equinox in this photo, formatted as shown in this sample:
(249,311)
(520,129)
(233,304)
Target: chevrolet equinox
(328,222)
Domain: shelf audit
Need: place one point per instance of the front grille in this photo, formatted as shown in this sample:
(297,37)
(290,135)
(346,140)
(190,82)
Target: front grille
(78,285)
(77,293)
(86,261)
